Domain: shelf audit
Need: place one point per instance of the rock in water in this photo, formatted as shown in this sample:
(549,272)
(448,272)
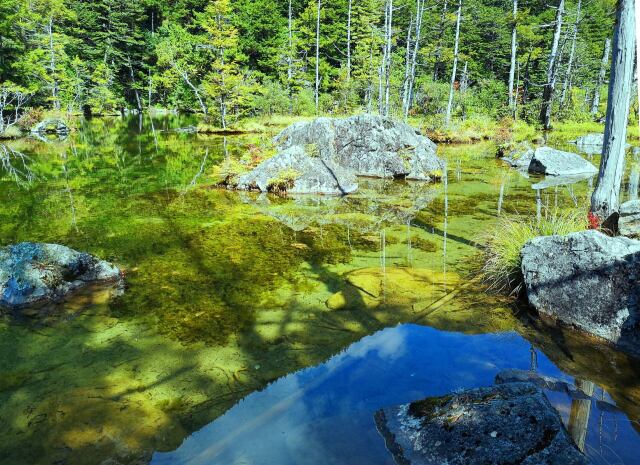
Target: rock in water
(589,281)
(33,273)
(296,171)
(549,161)
(629,220)
(558,163)
(367,145)
(593,139)
(504,424)
(51,126)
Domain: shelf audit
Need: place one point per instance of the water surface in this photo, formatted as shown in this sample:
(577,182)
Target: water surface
(229,295)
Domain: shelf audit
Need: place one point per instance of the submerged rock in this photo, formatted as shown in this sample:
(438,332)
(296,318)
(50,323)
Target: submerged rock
(296,171)
(504,424)
(34,273)
(589,281)
(549,161)
(629,220)
(367,145)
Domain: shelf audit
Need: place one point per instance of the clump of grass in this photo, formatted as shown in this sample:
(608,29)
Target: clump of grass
(283,182)
(502,245)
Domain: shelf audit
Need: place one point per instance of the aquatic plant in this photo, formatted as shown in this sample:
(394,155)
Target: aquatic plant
(502,245)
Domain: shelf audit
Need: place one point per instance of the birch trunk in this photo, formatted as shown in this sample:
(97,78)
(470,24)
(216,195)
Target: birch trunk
(387,68)
(514,46)
(317,90)
(604,201)
(572,54)
(438,54)
(407,66)
(348,40)
(133,83)
(196,92)
(414,57)
(552,71)
(595,103)
(52,67)
(455,65)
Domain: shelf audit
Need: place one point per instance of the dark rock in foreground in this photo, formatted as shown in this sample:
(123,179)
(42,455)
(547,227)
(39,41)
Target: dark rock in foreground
(505,424)
(629,220)
(549,161)
(589,281)
(33,274)
(295,171)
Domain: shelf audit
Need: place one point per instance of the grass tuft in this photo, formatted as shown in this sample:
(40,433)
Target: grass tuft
(502,245)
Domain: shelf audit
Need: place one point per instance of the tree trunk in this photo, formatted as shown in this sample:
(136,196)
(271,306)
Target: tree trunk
(52,66)
(604,201)
(133,84)
(414,58)
(567,78)
(527,81)
(464,85)
(512,69)
(595,103)
(349,41)
(455,64)
(438,53)
(552,71)
(387,67)
(317,90)
(185,78)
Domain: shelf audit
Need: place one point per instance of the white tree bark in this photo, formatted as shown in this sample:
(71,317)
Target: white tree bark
(438,52)
(455,64)
(552,71)
(408,97)
(572,54)
(317,89)
(604,201)
(196,92)
(349,41)
(52,66)
(512,68)
(595,103)
(387,66)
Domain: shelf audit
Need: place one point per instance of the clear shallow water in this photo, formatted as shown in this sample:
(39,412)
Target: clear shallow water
(228,292)
(325,414)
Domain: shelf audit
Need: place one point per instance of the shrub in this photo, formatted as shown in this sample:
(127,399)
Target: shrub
(502,245)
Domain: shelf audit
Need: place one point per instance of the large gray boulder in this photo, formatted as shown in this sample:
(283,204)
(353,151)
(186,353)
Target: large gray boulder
(504,424)
(629,220)
(367,145)
(587,280)
(296,171)
(549,161)
(32,273)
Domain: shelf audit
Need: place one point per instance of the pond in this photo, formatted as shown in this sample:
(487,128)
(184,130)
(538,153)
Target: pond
(257,329)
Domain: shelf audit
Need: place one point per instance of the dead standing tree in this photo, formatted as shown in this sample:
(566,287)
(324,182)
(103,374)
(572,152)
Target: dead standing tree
(604,201)
(552,71)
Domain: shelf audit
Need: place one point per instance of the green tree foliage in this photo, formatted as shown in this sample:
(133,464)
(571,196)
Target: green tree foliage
(230,58)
